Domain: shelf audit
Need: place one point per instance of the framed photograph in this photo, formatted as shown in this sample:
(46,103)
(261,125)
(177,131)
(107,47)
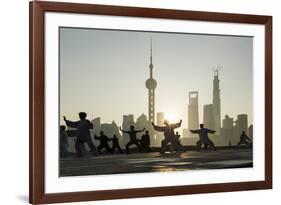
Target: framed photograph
(139,102)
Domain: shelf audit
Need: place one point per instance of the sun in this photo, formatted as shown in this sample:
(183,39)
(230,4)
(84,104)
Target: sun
(171,117)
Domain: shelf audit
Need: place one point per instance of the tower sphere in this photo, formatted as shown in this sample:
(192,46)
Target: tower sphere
(151,83)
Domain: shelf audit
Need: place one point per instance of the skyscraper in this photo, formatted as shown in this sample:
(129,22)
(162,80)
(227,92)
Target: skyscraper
(151,85)
(208,118)
(160,118)
(241,124)
(250,131)
(160,122)
(128,120)
(96,126)
(193,114)
(216,102)
(227,130)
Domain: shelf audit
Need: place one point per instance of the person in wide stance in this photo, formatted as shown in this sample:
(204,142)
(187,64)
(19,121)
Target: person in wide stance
(203,137)
(133,138)
(169,134)
(103,142)
(244,140)
(83,134)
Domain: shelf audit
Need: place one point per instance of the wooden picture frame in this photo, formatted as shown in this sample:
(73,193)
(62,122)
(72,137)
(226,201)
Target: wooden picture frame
(37,193)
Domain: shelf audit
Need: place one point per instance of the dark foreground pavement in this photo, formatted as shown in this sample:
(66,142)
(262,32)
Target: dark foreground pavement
(156,162)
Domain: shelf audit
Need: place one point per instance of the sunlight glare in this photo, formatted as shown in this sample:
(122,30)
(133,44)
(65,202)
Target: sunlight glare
(171,117)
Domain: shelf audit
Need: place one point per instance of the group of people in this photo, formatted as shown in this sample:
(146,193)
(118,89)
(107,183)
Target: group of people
(83,127)
(142,144)
(171,141)
(104,143)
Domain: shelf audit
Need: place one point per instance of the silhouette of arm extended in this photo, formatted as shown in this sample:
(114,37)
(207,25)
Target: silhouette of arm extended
(140,130)
(96,137)
(195,131)
(71,124)
(176,125)
(124,131)
(211,131)
(158,128)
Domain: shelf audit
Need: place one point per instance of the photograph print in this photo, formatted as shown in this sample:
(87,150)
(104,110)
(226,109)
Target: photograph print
(140,102)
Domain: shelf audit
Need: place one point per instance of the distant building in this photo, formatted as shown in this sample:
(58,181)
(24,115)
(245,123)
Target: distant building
(227,130)
(128,120)
(110,129)
(141,122)
(241,124)
(96,126)
(193,114)
(216,102)
(160,118)
(151,85)
(159,136)
(208,118)
(250,132)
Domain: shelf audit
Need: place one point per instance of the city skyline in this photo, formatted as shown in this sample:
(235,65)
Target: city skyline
(172,88)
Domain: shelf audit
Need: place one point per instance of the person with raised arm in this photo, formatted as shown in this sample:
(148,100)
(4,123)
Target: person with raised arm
(83,127)
(203,137)
(169,133)
(133,137)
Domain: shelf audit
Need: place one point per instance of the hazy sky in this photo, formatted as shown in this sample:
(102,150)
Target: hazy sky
(103,73)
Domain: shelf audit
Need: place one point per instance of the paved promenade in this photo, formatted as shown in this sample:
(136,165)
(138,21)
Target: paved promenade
(156,162)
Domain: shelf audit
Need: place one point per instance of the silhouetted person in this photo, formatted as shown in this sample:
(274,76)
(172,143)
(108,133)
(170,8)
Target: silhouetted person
(133,138)
(244,139)
(169,133)
(83,134)
(63,142)
(203,137)
(115,144)
(145,142)
(103,142)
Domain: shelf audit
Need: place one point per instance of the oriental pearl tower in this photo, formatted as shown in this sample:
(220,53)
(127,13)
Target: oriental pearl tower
(151,85)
